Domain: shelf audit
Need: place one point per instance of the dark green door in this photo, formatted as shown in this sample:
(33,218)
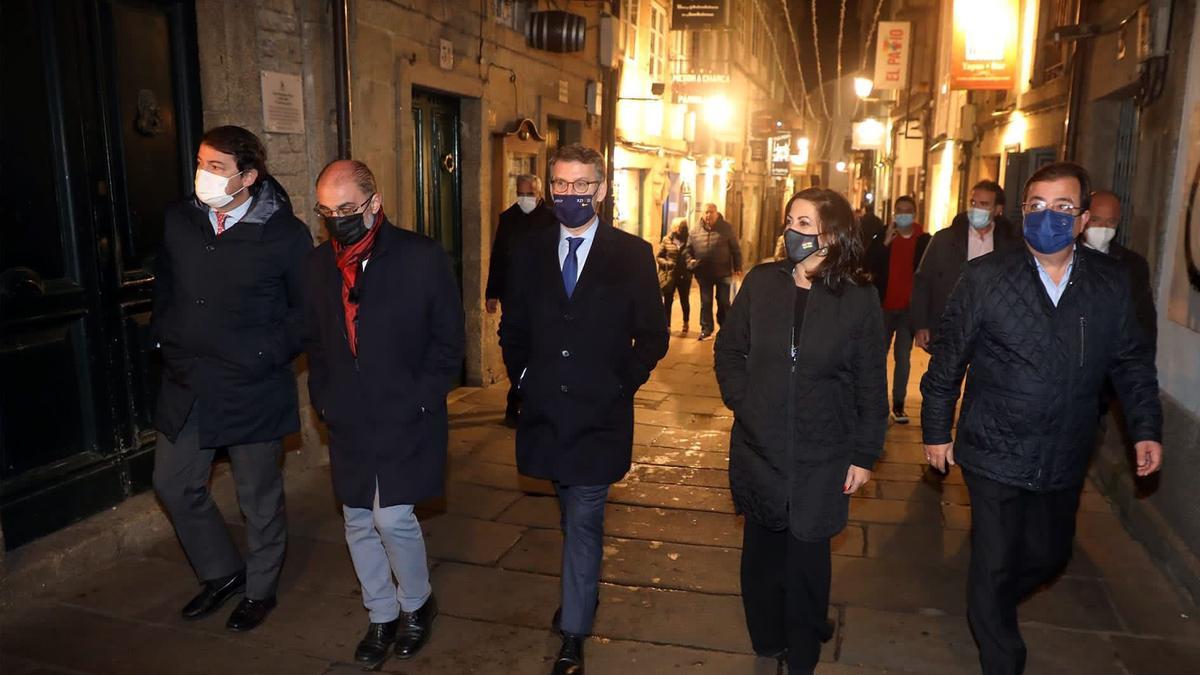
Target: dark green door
(99,143)
(438,186)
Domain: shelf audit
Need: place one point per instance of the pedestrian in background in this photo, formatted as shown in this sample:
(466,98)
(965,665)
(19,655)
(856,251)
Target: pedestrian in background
(674,277)
(1099,235)
(892,259)
(799,364)
(717,257)
(385,343)
(870,224)
(583,324)
(528,214)
(1039,331)
(228,317)
(978,231)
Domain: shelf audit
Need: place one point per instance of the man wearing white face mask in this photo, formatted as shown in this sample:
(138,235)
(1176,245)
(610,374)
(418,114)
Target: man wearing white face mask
(528,214)
(228,318)
(1099,235)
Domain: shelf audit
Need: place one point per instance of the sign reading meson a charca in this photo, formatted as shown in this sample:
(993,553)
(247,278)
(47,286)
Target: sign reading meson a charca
(692,14)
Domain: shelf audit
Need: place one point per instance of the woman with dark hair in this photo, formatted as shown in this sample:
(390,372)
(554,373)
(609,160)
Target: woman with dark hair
(799,364)
(674,276)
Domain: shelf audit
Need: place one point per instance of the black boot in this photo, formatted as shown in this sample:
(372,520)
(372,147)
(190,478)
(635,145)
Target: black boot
(415,629)
(374,646)
(570,656)
(215,593)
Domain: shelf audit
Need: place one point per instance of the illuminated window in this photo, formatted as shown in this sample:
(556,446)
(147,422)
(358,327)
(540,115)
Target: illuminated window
(658,39)
(629,27)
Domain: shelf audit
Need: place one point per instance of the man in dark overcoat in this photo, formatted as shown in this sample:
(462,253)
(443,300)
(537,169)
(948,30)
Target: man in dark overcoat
(583,324)
(528,214)
(385,343)
(228,318)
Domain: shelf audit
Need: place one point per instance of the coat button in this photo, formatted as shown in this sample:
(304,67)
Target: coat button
(210,247)
(568,317)
(566,354)
(200,301)
(564,389)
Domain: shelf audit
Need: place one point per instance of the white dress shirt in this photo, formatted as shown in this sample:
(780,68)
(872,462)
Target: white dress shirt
(581,253)
(1055,290)
(980,244)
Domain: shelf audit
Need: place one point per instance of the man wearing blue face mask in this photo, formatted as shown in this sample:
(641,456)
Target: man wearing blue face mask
(1040,331)
(892,258)
(977,231)
(583,326)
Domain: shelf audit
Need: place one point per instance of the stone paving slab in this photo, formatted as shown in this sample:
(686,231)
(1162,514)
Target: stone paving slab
(694,459)
(636,562)
(671,496)
(470,540)
(692,439)
(677,475)
(638,522)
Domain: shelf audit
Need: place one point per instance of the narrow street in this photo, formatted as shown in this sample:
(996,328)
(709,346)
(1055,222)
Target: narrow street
(669,602)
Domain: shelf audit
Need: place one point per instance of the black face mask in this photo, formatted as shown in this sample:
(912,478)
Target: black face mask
(346,230)
(799,245)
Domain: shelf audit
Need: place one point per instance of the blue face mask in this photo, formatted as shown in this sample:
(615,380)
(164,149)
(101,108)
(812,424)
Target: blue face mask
(574,210)
(979,218)
(1049,231)
(904,220)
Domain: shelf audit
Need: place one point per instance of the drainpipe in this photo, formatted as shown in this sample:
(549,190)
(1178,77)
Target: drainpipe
(341,75)
(608,122)
(1079,50)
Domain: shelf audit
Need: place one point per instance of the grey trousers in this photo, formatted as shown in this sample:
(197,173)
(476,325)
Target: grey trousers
(582,521)
(181,475)
(387,541)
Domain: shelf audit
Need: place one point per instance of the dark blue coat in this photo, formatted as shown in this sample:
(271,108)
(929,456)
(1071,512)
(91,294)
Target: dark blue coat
(386,410)
(228,315)
(583,357)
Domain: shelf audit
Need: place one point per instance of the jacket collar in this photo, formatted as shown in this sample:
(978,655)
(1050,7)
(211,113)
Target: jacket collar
(270,199)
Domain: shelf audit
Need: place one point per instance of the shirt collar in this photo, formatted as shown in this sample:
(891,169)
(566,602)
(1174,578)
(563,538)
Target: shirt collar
(237,214)
(1070,265)
(588,235)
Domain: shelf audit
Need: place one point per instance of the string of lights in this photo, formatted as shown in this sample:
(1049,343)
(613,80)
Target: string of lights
(817,53)
(787,15)
(779,63)
(837,102)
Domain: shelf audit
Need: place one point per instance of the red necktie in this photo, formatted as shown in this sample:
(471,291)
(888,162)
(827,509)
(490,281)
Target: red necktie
(221,222)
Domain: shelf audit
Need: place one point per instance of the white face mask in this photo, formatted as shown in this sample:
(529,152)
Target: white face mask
(210,188)
(1099,237)
(527,204)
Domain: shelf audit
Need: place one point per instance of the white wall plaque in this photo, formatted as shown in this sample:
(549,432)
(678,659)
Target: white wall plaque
(283,103)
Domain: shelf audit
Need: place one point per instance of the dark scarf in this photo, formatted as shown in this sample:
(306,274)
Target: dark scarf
(349,260)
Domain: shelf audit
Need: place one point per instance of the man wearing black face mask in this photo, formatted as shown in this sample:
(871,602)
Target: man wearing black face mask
(583,325)
(1040,331)
(384,336)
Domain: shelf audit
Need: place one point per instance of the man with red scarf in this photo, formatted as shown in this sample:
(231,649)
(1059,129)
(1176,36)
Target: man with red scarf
(384,336)
(892,258)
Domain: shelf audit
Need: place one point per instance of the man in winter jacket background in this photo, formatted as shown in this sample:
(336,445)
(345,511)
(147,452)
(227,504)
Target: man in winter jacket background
(1040,330)
(228,317)
(717,257)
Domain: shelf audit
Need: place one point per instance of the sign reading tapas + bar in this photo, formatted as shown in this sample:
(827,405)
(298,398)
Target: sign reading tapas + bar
(693,14)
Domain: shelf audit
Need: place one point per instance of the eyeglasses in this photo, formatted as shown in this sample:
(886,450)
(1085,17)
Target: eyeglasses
(579,187)
(1037,206)
(342,211)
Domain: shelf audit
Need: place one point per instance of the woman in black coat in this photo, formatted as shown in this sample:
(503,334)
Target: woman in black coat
(799,364)
(673,273)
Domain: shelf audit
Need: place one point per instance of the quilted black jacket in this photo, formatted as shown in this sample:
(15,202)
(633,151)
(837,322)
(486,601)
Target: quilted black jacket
(801,421)
(1029,412)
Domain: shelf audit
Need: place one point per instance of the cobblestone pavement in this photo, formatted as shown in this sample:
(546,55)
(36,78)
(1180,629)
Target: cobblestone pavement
(669,601)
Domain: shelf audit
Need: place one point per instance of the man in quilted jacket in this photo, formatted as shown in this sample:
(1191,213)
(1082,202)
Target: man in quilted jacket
(1040,329)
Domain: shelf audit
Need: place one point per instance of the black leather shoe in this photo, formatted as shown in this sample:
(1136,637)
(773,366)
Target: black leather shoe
(215,593)
(570,656)
(249,613)
(375,644)
(415,629)
(827,631)
(704,335)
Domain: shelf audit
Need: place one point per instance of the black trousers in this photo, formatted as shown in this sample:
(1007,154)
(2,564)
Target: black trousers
(181,474)
(684,288)
(1020,540)
(785,593)
(707,285)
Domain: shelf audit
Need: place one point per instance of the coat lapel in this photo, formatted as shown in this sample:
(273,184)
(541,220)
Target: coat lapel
(594,268)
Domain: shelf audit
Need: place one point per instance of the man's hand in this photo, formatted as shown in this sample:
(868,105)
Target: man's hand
(492,305)
(856,477)
(890,234)
(1149,457)
(921,338)
(940,457)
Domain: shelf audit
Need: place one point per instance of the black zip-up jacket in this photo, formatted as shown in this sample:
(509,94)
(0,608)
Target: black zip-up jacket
(801,419)
(1030,408)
